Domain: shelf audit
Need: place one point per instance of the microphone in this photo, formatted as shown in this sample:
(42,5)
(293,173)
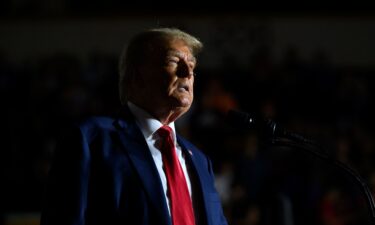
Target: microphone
(246,120)
(271,128)
(264,126)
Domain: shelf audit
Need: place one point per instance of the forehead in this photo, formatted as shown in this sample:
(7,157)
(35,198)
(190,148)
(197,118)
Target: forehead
(176,47)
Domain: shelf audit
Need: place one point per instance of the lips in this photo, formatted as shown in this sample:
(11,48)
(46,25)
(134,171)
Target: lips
(183,87)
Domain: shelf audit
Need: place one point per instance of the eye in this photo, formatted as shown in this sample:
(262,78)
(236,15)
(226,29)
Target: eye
(172,60)
(191,65)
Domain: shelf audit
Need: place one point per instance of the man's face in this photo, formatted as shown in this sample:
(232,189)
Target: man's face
(167,78)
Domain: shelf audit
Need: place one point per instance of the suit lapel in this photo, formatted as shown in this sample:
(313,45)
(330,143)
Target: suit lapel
(134,144)
(196,166)
(192,161)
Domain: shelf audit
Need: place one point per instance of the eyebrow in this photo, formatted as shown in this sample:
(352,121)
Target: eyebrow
(191,58)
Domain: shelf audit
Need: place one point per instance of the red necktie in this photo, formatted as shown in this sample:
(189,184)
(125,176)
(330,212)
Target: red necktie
(179,199)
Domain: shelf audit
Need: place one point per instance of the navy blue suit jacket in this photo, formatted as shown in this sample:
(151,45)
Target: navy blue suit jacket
(104,173)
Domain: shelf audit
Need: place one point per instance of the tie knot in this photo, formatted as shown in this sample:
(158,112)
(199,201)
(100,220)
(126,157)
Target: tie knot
(164,131)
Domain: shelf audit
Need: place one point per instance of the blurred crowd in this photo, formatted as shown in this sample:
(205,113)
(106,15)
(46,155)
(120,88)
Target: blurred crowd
(259,183)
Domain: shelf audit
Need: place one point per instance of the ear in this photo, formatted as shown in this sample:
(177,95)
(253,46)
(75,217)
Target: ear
(140,76)
(135,81)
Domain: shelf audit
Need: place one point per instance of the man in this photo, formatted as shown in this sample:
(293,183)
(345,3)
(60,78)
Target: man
(134,169)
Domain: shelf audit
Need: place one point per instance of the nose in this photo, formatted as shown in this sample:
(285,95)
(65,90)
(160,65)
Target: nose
(184,70)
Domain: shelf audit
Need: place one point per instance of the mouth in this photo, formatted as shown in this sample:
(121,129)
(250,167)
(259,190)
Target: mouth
(183,87)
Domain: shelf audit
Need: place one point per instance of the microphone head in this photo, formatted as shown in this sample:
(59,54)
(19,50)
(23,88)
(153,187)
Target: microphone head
(245,120)
(240,118)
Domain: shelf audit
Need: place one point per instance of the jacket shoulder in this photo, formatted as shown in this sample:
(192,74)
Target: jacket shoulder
(97,122)
(90,127)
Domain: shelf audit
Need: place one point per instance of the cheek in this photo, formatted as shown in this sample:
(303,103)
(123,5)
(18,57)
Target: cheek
(161,83)
(192,87)
(171,83)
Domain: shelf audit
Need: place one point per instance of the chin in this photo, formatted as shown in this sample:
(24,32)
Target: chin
(185,102)
(182,107)
(181,101)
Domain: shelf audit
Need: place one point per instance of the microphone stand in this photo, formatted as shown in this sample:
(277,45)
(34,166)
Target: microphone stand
(281,137)
(294,140)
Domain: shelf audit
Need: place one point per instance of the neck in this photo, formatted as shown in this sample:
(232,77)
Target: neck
(163,114)
(167,117)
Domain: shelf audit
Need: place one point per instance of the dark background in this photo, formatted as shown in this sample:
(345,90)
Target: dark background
(310,68)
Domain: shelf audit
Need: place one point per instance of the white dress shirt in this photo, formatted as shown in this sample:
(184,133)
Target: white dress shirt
(149,126)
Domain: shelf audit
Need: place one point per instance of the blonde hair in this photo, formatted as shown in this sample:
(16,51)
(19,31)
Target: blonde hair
(138,49)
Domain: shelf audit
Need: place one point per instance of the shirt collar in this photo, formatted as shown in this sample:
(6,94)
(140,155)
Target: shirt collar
(148,124)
